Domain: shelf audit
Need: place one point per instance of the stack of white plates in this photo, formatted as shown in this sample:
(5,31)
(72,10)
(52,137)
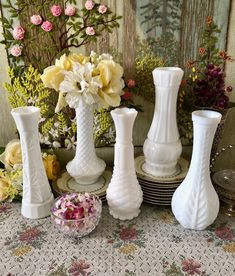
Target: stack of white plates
(159,190)
(66,184)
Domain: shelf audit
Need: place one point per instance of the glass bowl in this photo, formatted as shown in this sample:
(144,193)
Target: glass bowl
(78,227)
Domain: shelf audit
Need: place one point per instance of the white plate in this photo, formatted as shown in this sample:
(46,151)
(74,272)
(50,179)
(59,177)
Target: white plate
(166,187)
(178,176)
(66,184)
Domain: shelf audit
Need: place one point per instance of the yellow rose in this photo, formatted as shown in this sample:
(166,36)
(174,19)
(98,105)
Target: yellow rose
(12,155)
(52,166)
(4,184)
(53,75)
(111,77)
(79,58)
(64,62)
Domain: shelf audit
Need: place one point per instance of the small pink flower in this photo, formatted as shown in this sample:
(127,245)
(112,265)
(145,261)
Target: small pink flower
(131,83)
(47,26)
(102,9)
(16,51)
(56,10)
(18,33)
(70,11)
(127,95)
(36,19)
(89,5)
(90,31)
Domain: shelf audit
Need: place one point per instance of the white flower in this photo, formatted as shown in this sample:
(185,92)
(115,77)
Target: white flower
(80,84)
(56,144)
(70,143)
(54,132)
(44,139)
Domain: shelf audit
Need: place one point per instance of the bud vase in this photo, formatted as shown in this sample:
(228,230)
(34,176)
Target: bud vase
(37,195)
(86,167)
(124,194)
(195,203)
(162,148)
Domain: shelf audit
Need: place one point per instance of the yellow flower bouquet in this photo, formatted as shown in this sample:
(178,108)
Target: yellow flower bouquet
(96,79)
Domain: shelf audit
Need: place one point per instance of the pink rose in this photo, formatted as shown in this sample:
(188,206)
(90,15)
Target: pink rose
(89,5)
(47,26)
(56,10)
(16,51)
(70,11)
(224,233)
(90,31)
(102,9)
(36,19)
(131,83)
(18,33)
(127,95)
(127,234)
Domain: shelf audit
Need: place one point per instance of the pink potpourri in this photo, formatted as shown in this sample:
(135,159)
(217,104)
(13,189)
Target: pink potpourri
(76,214)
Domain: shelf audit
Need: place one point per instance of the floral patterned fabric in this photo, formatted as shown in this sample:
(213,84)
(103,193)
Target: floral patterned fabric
(153,244)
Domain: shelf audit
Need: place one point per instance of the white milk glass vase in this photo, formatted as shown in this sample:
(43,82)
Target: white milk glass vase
(37,195)
(162,148)
(124,194)
(195,202)
(86,167)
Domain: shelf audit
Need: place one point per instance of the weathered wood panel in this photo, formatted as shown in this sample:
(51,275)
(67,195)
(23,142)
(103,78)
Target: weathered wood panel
(230,66)
(7,125)
(129,37)
(193,19)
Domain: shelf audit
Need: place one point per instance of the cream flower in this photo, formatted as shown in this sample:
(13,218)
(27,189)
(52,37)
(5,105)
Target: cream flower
(80,84)
(110,74)
(12,156)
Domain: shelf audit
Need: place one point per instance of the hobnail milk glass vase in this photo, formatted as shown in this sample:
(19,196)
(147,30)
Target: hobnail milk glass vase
(37,195)
(195,203)
(86,167)
(162,148)
(124,194)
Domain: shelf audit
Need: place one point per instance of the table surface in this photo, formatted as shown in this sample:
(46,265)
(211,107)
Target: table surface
(153,244)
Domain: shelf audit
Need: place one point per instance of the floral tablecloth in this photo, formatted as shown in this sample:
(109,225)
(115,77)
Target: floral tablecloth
(153,244)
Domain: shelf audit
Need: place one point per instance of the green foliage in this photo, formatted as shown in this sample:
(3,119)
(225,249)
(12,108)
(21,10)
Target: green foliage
(102,124)
(146,61)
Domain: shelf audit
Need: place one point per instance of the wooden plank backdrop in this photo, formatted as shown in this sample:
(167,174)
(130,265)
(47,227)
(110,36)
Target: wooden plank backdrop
(192,17)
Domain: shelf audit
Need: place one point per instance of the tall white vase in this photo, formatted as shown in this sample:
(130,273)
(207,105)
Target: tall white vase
(195,203)
(37,195)
(86,167)
(162,148)
(124,194)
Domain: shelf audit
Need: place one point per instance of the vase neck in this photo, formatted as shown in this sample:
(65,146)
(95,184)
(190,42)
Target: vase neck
(164,126)
(124,122)
(84,119)
(124,151)
(202,144)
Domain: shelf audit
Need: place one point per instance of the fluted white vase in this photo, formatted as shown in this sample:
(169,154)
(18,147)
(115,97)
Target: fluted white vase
(37,195)
(86,167)
(124,194)
(195,202)
(162,148)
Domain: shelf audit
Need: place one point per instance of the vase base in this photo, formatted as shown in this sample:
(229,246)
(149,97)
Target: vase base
(86,176)
(37,211)
(160,170)
(124,215)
